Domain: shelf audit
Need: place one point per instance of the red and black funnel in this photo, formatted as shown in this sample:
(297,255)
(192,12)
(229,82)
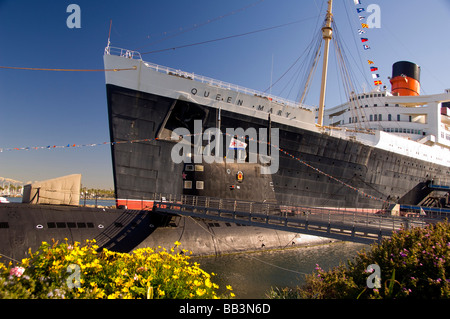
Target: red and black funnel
(405,79)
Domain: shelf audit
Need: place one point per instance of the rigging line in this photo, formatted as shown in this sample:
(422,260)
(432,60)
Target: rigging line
(247,255)
(196,26)
(347,83)
(313,67)
(347,79)
(229,37)
(291,82)
(311,47)
(287,71)
(68,70)
(342,46)
(316,37)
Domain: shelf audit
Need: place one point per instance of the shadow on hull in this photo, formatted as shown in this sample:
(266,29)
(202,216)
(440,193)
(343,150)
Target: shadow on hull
(130,229)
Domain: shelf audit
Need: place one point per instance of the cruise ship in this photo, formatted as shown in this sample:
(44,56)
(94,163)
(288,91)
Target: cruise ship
(381,147)
(179,133)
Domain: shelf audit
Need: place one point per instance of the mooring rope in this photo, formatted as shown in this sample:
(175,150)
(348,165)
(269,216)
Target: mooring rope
(67,70)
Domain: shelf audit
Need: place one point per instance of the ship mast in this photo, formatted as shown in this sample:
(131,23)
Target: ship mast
(327,34)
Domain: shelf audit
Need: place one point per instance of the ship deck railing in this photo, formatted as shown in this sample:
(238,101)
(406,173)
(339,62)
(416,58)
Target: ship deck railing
(203,79)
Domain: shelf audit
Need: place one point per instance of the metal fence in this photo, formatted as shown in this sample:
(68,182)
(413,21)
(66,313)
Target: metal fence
(361,225)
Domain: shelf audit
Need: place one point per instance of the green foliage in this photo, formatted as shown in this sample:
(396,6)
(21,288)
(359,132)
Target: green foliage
(413,264)
(73,271)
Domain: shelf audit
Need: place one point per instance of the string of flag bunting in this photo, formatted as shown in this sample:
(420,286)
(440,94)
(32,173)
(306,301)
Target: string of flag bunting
(365,41)
(52,147)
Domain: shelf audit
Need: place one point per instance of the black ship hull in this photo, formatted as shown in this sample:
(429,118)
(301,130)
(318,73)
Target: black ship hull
(315,169)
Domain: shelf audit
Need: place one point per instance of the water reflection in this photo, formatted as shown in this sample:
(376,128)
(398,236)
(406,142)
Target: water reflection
(252,275)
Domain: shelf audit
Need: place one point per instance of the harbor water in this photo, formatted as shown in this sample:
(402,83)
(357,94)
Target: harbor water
(252,275)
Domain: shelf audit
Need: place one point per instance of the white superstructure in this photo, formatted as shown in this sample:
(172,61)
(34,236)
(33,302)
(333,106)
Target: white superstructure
(416,126)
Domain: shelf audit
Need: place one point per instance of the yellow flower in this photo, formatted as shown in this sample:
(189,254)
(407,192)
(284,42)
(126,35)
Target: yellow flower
(232,295)
(100,294)
(177,243)
(200,292)
(229,287)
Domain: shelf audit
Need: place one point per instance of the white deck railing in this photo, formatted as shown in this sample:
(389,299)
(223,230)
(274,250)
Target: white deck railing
(202,79)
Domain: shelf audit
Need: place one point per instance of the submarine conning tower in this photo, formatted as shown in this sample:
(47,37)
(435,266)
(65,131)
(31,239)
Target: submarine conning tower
(405,79)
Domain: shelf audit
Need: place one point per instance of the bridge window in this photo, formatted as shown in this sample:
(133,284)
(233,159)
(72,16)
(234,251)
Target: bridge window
(199,184)
(187,184)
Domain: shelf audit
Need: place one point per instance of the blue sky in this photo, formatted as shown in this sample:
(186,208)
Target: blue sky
(40,108)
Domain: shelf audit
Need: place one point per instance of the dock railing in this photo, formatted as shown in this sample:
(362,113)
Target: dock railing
(354,224)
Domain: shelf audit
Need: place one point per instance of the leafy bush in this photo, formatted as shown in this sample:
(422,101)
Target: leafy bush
(413,264)
(62,270)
